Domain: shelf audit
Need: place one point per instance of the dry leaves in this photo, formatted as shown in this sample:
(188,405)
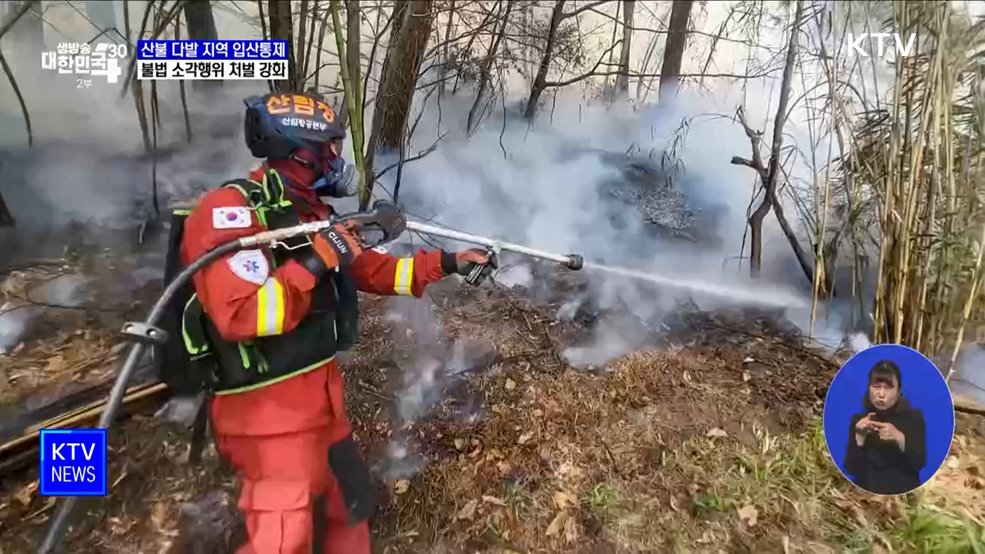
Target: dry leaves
(557,524)
(159,515)
(715,432)
(401,486)
(493,500)
(25,495)
(467,511)
(748,514)
(55,364)
(563,500)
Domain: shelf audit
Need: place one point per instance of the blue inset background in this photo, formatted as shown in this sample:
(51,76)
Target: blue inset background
(97,436)
(923,386)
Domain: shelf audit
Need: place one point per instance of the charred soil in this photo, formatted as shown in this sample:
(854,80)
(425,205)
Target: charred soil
(708,441)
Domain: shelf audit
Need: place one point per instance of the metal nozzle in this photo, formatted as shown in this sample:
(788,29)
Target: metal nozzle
(575,262)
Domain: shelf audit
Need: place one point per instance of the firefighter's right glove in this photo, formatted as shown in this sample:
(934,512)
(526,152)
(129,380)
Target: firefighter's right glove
(475,264)
(335,247)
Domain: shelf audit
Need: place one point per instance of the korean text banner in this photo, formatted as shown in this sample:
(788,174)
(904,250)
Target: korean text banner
(211,49)
(73,462)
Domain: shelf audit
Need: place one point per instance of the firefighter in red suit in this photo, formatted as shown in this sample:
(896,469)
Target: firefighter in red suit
(273,324)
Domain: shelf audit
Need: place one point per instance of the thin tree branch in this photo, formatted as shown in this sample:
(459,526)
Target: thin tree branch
(586,7)
(13,17)
(20,99)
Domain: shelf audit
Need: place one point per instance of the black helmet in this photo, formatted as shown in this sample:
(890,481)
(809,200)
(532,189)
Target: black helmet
(278,124)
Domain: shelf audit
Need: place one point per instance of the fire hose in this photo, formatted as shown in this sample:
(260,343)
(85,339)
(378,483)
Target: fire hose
(384,217)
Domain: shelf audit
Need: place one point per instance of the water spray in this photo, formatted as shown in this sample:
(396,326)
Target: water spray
(744,295)
(383,217)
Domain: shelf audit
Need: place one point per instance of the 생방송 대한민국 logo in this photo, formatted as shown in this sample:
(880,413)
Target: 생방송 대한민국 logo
(86,60)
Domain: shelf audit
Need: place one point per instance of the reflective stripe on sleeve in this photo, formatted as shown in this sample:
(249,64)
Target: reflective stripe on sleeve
(270,308)
(404,276)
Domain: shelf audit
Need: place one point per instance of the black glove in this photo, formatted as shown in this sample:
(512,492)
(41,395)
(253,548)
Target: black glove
(383,223)
(332,248)
(464,262)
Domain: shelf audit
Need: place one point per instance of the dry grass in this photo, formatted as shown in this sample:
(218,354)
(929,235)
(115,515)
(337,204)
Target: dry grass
(705,448)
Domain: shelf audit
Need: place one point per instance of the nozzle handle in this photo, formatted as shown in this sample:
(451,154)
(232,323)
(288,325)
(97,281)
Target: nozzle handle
(575,262)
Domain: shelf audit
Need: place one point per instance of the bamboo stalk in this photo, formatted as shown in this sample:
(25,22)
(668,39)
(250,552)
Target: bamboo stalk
(968,305)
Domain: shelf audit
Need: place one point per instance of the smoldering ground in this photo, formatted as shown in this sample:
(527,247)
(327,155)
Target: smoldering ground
(546,186)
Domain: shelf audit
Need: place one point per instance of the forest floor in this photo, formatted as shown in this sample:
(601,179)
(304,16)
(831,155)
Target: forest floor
(710,442)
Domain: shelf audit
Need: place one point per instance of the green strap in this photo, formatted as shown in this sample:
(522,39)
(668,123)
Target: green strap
(273,187)
(192,331)
(285,377)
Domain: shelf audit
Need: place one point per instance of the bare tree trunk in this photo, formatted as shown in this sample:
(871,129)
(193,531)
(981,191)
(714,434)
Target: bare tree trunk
(403,65)
(279,14)
(399,17)
(201,26)
(353,18)
(399,20)
(769,183)
(301,46)
(529,50)
(447,50)
(540,80)
(622,80)
(103,14)
(484,75)
(200,21)
(670,72)
(321,40)
(6,218)
(27,34)
(137,88)
(609,91)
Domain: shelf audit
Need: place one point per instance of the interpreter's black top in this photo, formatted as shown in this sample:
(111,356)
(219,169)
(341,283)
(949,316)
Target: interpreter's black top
(880,466)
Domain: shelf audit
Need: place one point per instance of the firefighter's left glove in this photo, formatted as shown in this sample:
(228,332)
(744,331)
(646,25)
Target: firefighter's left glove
(464,262)
(335,247)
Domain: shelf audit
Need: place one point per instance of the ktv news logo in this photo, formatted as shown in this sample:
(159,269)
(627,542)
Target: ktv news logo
(73,462)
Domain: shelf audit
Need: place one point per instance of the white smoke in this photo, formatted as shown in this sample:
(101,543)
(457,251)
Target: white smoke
(969,375)
(17,317)
(547,192)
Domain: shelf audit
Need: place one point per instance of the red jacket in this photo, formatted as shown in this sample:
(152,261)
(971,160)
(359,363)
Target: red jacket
(258,302)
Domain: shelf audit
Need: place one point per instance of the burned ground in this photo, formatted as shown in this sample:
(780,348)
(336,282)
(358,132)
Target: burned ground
(709,440)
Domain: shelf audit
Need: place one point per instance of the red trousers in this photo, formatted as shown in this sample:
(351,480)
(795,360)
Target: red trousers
(279,440)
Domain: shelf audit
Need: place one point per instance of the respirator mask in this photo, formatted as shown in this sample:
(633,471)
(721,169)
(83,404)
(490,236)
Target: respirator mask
(338,180)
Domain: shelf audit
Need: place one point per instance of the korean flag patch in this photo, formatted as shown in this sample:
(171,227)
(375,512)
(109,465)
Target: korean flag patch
(250,265)
(232,217)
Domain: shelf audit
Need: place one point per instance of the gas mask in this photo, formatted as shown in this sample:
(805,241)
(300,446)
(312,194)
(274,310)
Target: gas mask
(338,180)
